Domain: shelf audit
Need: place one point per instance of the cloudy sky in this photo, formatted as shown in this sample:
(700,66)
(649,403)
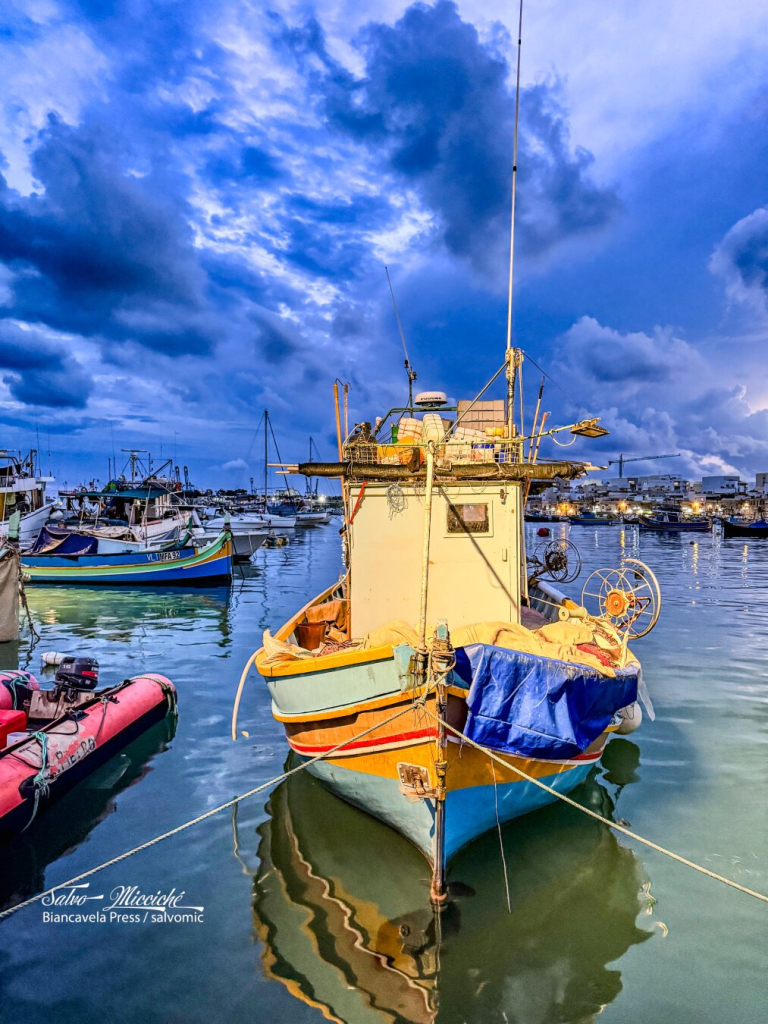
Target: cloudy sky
(197,202)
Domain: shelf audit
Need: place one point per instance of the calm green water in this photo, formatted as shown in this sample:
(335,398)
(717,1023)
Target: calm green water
(313,911)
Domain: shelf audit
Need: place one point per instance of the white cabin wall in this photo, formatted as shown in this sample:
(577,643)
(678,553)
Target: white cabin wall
(472,578)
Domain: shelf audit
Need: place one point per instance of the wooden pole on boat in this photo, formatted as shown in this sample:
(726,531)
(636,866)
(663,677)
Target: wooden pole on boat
(538,438)
(338,417)
(346,411)
(421,671)
(422,634)
(535,420)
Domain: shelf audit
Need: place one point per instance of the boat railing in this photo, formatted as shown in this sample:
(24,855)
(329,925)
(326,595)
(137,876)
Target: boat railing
(447,453)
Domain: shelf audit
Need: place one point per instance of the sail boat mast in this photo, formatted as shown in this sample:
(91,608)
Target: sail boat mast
(512,356)
(266,455)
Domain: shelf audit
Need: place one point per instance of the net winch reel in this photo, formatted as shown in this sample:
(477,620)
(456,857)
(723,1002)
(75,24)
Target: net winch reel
(556,560)
(629,598)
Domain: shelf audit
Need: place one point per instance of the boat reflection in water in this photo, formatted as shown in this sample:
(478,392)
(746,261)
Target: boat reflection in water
(340,905)
(70,821)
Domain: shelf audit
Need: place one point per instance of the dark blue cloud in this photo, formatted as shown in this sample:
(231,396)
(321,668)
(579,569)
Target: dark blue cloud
(435,105)
(39,372)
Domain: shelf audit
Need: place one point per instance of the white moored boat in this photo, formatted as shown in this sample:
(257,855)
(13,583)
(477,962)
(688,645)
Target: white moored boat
(22,489)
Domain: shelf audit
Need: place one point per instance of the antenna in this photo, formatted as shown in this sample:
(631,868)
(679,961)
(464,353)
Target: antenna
(510,357)
(408,369)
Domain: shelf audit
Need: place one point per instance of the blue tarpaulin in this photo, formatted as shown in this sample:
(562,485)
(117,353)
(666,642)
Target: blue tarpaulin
(62,542)
(539,707)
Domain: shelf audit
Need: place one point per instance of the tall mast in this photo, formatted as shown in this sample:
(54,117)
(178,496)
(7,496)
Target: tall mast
(266,454)
(511,357)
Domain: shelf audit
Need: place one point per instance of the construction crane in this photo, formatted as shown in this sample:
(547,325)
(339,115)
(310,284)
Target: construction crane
(639,458)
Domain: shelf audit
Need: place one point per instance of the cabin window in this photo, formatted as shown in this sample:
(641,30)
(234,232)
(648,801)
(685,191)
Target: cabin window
(474,518)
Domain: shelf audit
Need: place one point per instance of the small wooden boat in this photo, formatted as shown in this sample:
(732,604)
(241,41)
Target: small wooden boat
(735,527)
(353,660)
(51,739)
(189,566)
(664,520)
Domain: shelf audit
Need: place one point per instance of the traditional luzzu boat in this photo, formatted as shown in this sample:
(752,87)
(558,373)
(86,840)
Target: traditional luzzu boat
(671,520)
(735,527)
(593,519)
(69,559)
(438,686)
(436,646)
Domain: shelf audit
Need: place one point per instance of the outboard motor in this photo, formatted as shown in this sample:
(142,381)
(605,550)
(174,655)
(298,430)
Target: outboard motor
(77,675)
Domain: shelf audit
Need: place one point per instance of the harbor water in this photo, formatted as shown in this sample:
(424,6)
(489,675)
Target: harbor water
(308,910)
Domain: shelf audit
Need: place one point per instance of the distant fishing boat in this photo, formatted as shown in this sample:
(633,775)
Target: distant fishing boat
(191,566)
(22,490)
(544,517)
(735,527)
(664,520)
(592,519)
(124,514)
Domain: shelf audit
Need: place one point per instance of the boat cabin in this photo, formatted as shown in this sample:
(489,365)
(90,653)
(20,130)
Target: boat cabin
(21,488)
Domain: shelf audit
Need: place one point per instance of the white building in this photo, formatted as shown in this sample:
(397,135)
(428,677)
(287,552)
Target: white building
(722,486)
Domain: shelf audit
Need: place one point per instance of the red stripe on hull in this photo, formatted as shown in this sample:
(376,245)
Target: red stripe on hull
(403,737)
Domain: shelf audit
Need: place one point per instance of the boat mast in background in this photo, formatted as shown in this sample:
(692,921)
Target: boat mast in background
(513,356)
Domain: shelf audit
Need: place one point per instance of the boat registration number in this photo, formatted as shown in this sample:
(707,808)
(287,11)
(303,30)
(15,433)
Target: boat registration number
(164,556)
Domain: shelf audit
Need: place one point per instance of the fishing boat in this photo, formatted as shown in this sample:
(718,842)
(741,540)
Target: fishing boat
(671,520)
(382,954)
(592,519)
(435,536)
(190,566)
(52,738)
(123,515)
(736,527)
(242,522)
(22,490)
(437,686)
(544,517)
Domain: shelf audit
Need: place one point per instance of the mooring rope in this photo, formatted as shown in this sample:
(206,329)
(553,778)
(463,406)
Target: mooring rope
(202,817)
(599,817)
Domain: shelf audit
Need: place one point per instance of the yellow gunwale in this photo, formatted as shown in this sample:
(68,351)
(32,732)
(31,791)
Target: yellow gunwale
(307,665)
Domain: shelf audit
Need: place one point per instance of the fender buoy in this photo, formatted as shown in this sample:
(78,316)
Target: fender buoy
(631,716)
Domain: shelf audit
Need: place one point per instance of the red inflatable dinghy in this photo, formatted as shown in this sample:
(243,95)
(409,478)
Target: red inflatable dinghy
(54,738)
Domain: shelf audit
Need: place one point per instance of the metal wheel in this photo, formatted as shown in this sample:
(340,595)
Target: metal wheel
(629,597)
(558,560)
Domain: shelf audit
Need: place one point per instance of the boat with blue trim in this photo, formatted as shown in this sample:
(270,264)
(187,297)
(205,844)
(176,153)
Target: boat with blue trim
(737,527)
(401,714)
(592,519)
(74,563)
(672,520)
